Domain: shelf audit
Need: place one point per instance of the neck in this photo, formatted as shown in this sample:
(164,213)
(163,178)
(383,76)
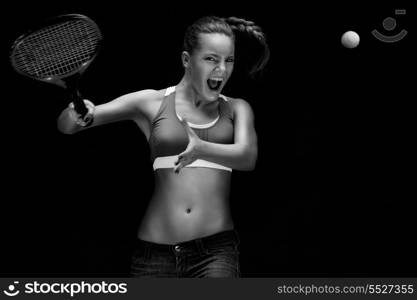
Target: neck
(188,93)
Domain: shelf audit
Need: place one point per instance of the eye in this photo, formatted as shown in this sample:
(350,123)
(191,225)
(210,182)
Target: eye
(210,58)
(230,60)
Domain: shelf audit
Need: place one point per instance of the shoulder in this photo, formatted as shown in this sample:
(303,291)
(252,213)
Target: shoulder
(143,101)
(144,96)
(239,106)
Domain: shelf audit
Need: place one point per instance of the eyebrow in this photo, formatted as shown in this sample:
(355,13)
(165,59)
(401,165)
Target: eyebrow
(214,54)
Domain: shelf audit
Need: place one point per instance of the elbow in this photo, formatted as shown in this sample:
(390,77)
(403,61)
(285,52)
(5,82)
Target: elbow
(250,165)
(250,159)
(247,168)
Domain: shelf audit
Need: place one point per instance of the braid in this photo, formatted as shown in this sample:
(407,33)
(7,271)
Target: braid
(252,43)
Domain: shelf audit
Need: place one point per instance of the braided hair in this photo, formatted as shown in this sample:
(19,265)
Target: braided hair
(251,48)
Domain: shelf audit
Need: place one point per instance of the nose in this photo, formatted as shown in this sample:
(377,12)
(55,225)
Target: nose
(222,66)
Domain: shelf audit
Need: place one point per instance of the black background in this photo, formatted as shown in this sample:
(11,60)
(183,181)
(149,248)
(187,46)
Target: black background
(329,196)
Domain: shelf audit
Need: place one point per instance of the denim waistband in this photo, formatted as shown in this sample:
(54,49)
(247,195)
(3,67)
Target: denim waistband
(215,240)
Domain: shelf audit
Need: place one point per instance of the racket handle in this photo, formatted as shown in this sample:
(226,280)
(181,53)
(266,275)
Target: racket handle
(79,105)
(72,84)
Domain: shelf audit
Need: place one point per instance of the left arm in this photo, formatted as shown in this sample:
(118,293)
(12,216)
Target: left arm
(241,155)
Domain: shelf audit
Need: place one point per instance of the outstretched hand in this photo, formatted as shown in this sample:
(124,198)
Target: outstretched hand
(192,151)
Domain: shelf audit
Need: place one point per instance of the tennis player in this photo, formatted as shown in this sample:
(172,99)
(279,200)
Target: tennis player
(197,136)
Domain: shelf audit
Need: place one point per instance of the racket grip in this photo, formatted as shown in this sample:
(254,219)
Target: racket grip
(72,84)
(79,106)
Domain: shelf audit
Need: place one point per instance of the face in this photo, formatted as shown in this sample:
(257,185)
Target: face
(210,65)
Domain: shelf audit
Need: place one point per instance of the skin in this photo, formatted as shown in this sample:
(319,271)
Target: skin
(187,203)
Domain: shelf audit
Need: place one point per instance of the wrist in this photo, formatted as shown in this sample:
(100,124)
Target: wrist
(201,149)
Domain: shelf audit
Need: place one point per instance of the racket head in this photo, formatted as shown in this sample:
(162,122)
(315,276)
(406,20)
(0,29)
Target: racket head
(57,48)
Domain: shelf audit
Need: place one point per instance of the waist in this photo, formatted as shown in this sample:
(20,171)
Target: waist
(179,217)
(223,238)
(187,205)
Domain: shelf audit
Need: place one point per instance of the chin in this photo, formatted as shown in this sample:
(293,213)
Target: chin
(209,95)
(212,95)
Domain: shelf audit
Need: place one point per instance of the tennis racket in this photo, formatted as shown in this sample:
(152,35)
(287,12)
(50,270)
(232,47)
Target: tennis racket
(58,51)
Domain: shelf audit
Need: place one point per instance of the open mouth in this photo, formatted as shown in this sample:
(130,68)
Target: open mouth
(214,84)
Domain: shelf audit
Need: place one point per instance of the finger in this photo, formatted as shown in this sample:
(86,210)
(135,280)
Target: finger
(180,157)
(88,118)
(91,110)
(77,117)
(88,102)
(90,106)
(177,169)
(185,123)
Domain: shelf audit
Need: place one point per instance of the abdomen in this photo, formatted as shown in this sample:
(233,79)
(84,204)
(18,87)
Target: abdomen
(188,205)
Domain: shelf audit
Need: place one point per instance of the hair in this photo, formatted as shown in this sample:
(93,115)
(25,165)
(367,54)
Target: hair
(251,46)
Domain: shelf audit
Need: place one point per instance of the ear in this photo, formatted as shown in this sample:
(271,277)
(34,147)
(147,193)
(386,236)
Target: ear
(185,57)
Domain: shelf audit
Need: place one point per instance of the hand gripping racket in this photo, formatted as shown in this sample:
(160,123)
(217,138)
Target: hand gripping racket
(58,51)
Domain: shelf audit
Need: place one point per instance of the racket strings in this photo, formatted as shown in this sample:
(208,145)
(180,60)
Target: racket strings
(57,50)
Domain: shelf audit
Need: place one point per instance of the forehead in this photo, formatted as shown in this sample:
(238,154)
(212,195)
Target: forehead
(218,43)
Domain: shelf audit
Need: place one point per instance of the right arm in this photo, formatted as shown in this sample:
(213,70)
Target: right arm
(127,107)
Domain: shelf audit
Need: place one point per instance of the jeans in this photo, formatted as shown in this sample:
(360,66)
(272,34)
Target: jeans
(216,255)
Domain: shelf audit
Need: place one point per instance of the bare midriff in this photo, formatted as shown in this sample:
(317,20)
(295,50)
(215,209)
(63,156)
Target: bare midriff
(191,204)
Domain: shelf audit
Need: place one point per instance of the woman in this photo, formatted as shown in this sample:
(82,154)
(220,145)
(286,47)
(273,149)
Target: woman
(196,137)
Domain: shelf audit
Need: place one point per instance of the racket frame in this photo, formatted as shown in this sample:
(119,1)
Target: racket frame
(70,81)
